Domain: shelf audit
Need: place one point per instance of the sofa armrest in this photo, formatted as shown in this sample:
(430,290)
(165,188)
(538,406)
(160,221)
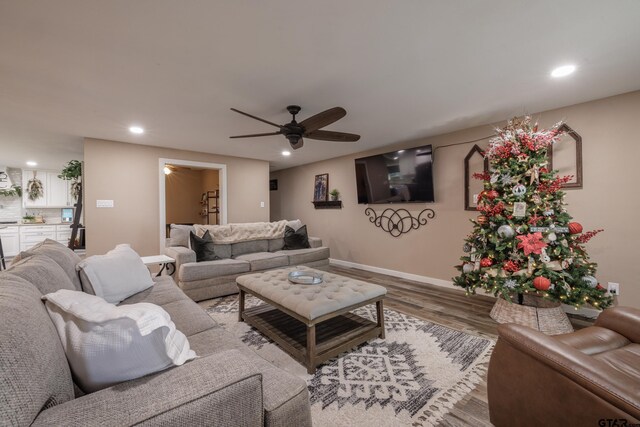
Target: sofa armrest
(315,242)
(623,320)
(181,254)
(218,390)
(591,374)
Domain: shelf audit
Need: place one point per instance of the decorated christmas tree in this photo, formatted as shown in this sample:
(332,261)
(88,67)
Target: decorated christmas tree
(524,241)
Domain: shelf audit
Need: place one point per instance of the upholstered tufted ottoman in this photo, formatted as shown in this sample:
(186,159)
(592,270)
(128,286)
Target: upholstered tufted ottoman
(311,322)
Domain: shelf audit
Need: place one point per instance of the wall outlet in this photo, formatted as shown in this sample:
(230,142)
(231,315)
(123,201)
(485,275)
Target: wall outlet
(262,204)
(613,288)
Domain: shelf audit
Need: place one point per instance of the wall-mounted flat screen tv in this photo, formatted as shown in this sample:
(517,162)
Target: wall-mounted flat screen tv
(400,176)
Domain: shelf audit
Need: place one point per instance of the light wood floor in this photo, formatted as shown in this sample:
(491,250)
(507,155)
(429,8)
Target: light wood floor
(451,308)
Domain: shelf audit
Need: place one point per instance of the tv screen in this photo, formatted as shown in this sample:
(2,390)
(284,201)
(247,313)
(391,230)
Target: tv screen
(397,177)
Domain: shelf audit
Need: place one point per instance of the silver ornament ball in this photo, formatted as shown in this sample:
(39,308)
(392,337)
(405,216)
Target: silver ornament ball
(506,231)
(467,268)
(591,281)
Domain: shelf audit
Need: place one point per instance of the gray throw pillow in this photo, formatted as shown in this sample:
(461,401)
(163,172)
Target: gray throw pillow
(296,239)
(203,247)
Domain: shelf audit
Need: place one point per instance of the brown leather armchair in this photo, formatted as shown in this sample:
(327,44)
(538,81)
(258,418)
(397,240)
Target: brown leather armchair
(590,377)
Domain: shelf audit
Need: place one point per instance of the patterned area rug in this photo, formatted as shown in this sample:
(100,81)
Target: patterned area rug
(413,377)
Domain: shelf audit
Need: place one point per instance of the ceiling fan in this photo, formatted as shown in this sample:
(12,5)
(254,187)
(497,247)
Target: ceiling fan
(308,128)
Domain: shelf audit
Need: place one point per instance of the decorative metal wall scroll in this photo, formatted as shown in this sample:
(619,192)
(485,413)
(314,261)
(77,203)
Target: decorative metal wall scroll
(399,221)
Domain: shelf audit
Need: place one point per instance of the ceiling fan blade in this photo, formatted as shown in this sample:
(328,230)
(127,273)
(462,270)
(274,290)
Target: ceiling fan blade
(323,119)
(256,118)
(298,144)
(256,134)
(327,135)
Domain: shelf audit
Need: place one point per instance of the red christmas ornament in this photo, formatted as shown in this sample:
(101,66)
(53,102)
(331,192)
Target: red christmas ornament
(599,287)
(575,228)
(482,219)
(491,194)
(486,262)
(541,283)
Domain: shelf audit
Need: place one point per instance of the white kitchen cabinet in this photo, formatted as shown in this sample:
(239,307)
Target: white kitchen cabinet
(57,191)
(32,234)
(10,241)
(63,233)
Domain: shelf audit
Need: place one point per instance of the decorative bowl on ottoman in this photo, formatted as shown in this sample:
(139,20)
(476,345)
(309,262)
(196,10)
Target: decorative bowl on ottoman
(301,277)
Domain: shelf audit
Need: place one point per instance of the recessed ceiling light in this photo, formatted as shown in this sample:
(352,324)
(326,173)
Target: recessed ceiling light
(136,129)
(32,163)
(563,71)
(286,153)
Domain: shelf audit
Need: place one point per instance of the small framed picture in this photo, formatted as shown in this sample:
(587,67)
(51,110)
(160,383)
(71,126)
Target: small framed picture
(519,209)
(321,188)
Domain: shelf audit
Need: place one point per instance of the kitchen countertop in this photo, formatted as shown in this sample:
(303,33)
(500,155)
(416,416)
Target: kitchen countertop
(17,224)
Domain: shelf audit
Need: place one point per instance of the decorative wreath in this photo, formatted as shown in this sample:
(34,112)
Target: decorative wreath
(35,189)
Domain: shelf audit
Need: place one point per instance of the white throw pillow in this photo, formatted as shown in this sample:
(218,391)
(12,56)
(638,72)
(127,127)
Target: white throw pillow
(116,275)
(106,344)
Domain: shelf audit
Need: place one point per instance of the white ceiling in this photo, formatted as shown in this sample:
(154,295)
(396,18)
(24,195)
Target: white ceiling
(402,69)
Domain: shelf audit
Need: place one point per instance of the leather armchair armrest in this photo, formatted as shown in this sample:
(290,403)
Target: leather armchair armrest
(623,320)
(218,390)
(593,375)
(315,242)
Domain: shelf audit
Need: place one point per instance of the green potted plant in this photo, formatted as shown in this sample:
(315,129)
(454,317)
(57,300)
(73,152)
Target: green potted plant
(73,172)
(335,194)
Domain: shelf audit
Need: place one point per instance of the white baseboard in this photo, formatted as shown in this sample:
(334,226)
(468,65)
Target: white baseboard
(583,311)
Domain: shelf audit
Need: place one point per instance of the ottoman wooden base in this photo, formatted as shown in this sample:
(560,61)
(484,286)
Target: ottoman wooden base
(315,344)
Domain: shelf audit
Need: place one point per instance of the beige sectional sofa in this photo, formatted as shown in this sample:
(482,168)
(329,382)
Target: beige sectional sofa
(227,385)
(211,279)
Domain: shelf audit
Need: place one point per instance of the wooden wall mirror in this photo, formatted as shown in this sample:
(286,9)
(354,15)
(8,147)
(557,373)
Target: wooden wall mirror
(474,162)
(566,156)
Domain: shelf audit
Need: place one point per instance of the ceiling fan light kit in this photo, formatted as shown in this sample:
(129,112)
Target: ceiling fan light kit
(308,128)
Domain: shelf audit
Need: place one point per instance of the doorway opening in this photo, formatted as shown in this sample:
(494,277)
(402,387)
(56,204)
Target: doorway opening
(191,193)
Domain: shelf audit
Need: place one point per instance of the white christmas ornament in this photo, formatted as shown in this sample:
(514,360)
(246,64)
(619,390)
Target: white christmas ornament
(467,268)
(506,231)
(519,190)
(552,237)
(591,281)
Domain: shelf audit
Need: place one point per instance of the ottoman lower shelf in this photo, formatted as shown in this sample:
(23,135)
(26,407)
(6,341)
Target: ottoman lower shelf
(332,336)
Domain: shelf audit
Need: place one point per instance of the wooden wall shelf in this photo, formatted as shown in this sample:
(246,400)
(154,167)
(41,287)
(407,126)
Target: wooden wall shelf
(329,204)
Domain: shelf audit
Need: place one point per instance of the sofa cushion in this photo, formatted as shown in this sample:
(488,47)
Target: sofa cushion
(42,272)
(163,291)
(204,270)
(276,244)
(296,239)
(302,256)
(285,395)
(265,260)
(242,248)
(203,247)
(179,235)
(188,317)
(106,344)
(116,275)
(34,373)
(62,255)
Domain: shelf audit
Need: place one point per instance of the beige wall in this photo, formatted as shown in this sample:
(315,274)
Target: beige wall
(128,174)
(609,199)
(183,190)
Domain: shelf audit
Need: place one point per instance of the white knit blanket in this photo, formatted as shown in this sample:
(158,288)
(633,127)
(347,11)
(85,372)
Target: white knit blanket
(242,232)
